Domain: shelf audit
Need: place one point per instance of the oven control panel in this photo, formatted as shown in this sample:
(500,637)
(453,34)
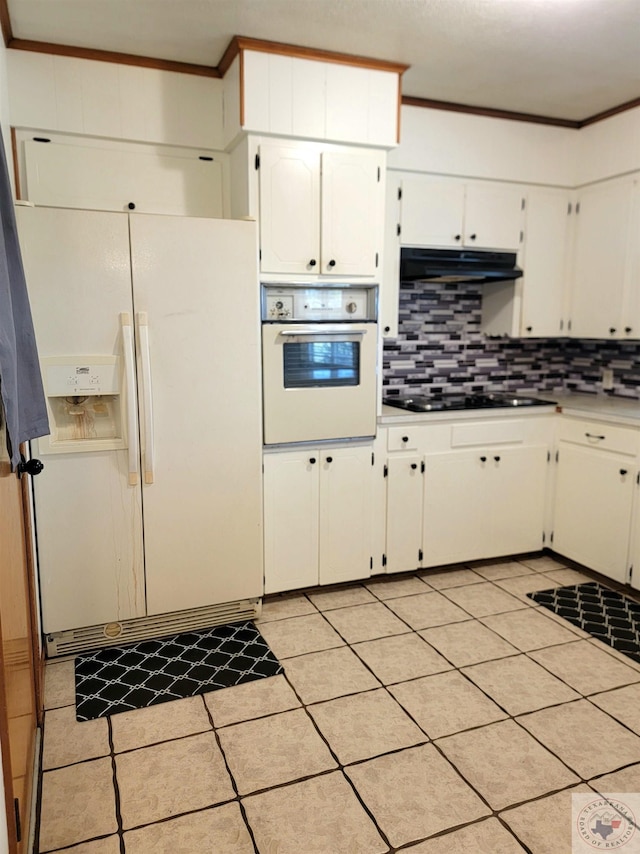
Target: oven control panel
(284,303)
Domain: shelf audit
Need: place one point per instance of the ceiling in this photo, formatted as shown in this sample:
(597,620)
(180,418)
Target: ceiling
(565,59)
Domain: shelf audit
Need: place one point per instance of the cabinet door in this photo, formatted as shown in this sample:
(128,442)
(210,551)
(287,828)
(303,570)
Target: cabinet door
(592,519)
(455,502)
(432,212)
(515,499)
(291,506)
(289,210)
(346,490)
(352,213)
(600,260)
(404,513)
(493,217)
(390,283)
(546,245)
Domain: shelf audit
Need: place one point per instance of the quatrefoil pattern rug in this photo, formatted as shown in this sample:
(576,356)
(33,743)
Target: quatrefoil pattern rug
(605,614)
(119,679)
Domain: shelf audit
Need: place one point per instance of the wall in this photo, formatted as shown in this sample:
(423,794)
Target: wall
(610,147)
(440,349)
(60,93)
(461,144)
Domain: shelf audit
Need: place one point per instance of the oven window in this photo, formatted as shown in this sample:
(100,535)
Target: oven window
(314,364)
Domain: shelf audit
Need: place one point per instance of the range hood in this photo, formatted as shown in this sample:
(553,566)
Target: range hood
(457,265)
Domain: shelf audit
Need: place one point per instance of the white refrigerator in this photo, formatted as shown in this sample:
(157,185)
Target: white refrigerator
(148,511)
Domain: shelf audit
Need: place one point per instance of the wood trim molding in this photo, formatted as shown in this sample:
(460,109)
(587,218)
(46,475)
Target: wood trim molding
(16,165)
(37,648)
(5,23)
(240,43)
(112,56)
(410,101)
(614,111)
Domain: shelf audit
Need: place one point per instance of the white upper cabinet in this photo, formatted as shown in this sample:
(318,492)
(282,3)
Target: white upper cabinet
(604,300)
(309,98)
(289,210)
(451,213)
(545,262)
(321,212)
(106,175)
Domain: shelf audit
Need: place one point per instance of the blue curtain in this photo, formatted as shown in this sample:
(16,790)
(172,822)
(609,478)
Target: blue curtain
(25,412)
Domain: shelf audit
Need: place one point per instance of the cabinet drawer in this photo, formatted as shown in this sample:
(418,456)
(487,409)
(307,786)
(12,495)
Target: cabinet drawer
(402,439)
(598,434)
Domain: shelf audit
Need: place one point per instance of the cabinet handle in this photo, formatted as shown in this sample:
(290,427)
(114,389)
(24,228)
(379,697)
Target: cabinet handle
(405,438)
(329,459)
(312,460)
(612,330)
(458,237)
(332,263)
(472,236)
(594,436)
(414,465)
(497,459)
(623,472)
(483,459)
(313,262)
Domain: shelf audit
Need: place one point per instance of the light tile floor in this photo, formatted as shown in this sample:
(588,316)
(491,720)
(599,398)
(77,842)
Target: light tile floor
(435,712)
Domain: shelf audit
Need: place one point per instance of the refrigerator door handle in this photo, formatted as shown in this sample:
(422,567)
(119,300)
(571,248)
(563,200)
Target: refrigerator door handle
(147,397)
(132,403)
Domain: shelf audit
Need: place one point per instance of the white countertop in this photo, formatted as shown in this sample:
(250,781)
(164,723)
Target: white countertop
(596,406)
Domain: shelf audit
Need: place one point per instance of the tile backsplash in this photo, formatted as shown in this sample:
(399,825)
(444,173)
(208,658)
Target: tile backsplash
(440,349)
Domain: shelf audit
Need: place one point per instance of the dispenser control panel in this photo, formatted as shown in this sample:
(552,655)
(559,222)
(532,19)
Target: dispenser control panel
(63,379)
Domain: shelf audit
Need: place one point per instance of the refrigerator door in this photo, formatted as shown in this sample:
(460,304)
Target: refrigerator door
(196,302)
(88,515)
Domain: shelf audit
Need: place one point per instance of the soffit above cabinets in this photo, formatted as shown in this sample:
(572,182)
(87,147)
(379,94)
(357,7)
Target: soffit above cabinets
(563,59)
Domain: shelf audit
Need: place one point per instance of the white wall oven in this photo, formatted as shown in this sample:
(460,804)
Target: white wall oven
(319,361)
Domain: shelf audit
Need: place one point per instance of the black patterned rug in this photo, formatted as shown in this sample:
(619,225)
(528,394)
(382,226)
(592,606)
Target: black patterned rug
(119,679)
(605,614)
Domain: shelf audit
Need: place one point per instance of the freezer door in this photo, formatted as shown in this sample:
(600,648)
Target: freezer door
(88,514)
(196,301)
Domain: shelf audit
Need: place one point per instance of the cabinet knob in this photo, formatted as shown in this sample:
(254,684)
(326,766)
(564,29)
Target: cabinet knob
(329,459)
(628,329)
(483,459)
(458,237)
(131,206)
(623,472)
(332,263)
(405,438)
(529,328)
(472,236)
(312,460)
(32,467)
(612,330)
(497,459)
(313,262)
(387,329)
(414,465)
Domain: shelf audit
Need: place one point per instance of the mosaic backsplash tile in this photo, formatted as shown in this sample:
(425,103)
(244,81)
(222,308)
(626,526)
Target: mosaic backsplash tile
(440,349)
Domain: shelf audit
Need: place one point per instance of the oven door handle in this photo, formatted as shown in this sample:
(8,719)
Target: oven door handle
(297,333)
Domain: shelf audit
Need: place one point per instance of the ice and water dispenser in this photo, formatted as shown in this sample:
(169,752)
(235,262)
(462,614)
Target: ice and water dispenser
(86,406)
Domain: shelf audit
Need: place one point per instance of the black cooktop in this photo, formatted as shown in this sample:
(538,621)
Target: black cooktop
(446,402)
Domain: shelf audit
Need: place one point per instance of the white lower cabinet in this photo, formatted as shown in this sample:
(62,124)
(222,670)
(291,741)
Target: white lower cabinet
(594,500)
(404,513)
(467,491)
(483,503)
(318,508)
